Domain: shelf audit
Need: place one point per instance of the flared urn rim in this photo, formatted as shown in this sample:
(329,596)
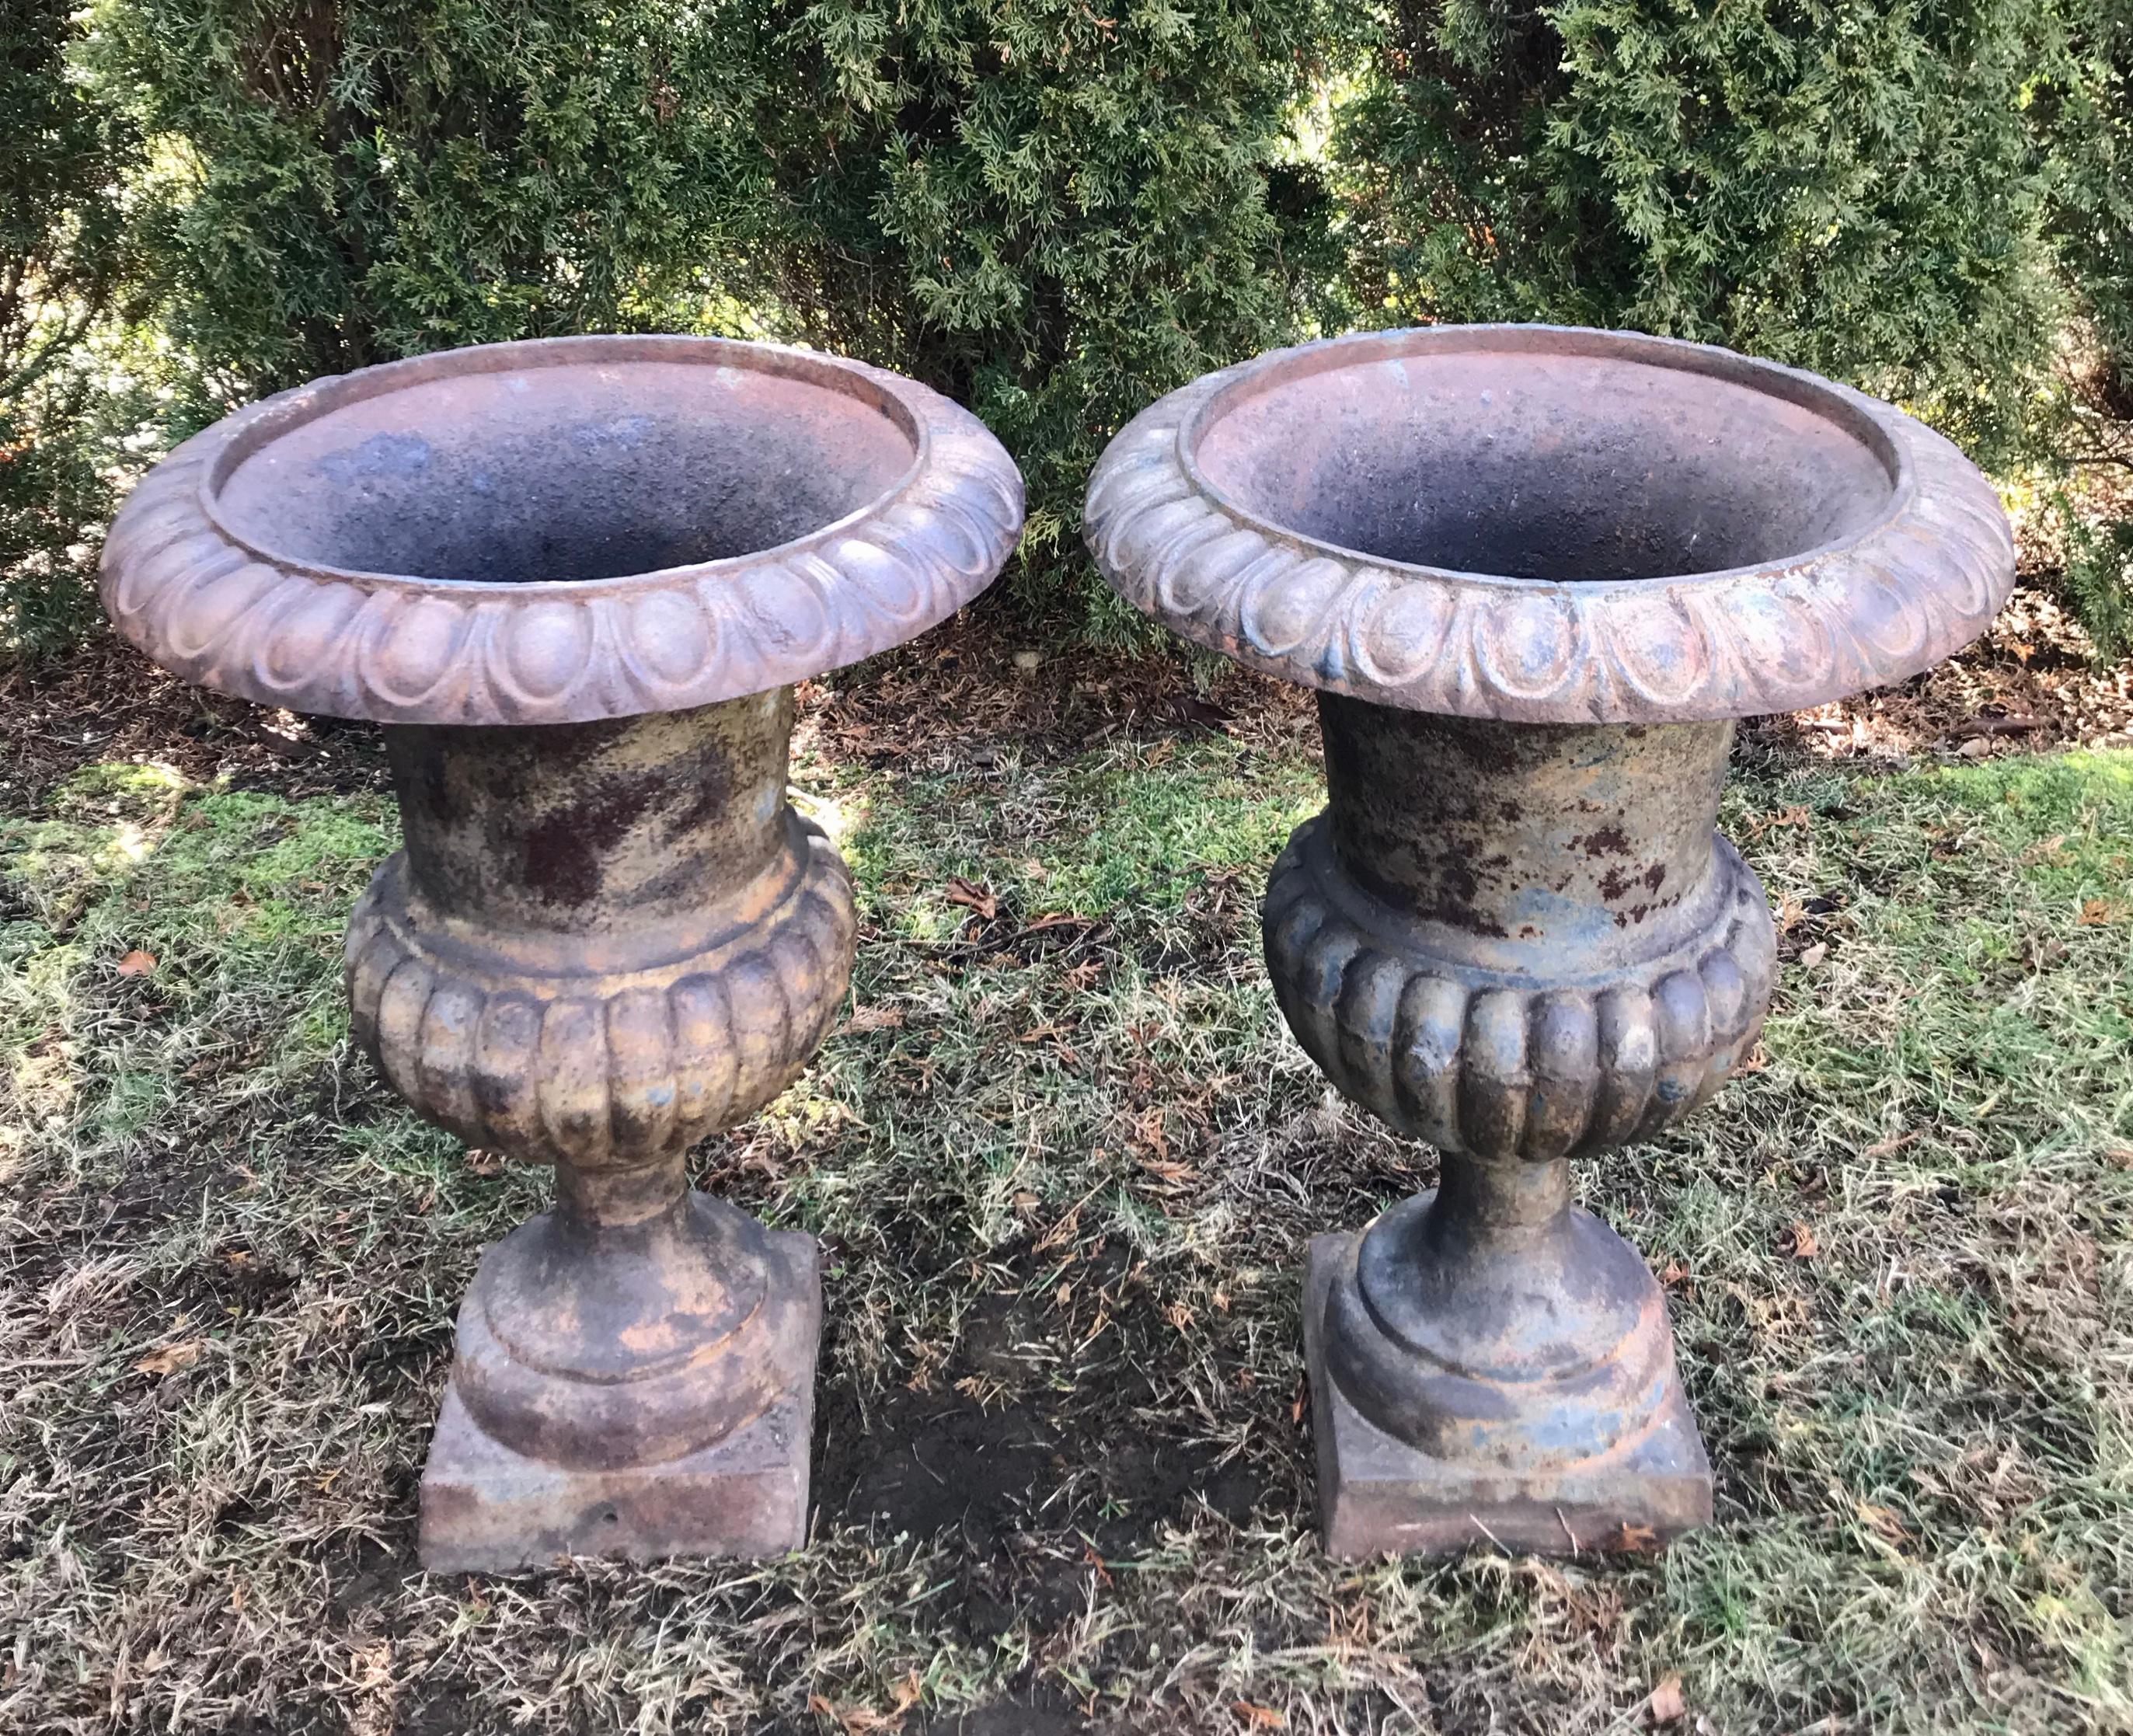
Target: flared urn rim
(1904,553)
(222,572)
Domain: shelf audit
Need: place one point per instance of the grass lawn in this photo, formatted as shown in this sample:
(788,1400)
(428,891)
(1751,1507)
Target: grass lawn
(1065,1159)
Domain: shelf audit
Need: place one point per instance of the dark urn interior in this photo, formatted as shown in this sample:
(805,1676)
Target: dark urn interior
(1498,458)
(568,471)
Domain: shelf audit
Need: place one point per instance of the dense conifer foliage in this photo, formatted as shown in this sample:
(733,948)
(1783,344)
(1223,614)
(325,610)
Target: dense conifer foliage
(1054,210)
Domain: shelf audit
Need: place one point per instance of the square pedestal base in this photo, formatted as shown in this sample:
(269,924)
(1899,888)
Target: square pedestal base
(1380,1496)
(488,1509)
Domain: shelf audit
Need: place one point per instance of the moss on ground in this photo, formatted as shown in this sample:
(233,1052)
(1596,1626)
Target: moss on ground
(1065,1170)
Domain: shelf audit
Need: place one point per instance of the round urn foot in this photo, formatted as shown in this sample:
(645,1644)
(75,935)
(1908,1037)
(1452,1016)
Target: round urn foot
(601,1348)
(1524,1455)
(1490,1365)
(489,1506)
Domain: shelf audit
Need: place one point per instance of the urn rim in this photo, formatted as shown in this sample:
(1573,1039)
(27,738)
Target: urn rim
(1901,585)
(229,600)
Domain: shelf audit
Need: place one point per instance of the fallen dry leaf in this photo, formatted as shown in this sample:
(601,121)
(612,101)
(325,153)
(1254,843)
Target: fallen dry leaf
(1814,955)
(876,1018)
(1261,1718)
(855,1720)
(1803,1244)
(1169,1172)
(171,1357)
(2097,913)
(1883,1521)
(1666,1704)
(1057,919)
(961,891)
(136,963)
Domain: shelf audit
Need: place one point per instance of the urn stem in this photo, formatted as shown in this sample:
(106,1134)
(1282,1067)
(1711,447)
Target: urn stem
(1481,1202)
(591,1202)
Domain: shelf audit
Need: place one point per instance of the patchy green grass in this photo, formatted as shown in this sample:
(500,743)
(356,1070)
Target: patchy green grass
(1065,1159)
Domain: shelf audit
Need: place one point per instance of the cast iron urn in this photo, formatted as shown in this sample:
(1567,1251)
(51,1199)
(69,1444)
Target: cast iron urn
(1534,574)
(575,580)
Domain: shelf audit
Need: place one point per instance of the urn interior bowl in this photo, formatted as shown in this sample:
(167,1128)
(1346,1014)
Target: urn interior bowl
(592,468)
(1567,464)
(560,531)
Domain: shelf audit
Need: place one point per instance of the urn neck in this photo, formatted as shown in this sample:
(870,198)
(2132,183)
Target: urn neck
(1596,838)
(1480,1202)
(590,828)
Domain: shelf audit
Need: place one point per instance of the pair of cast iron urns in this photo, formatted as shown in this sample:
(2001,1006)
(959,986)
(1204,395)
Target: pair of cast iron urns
(1534,574)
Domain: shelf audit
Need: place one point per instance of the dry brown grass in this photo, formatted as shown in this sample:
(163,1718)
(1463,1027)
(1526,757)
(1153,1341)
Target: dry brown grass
(1064,1171)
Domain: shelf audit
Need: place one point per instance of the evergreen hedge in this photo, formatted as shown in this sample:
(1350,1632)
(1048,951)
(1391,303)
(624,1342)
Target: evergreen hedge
(1849,185)
(1056,209)
(354,181)
(63,259)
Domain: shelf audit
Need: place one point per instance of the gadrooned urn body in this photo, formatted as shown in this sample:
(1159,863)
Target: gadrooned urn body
(1535,573)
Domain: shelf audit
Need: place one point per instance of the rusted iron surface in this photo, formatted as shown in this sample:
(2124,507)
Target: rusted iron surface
(1550,525)
(603,943)
(1380,1494)
(653,949)
(489,1508)
(1534,573)
(561,530)
(1519,941)
(576,578)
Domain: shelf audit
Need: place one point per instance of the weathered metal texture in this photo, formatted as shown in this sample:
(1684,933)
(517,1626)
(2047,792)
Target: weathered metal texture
(1534,573)
(1378,1493)
(576,578)
(561,530)
(1519,941)
(603,943)
(488,1508)
(1549,525)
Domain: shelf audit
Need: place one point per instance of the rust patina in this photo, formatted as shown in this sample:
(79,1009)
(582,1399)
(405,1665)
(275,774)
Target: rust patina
(1535,573)
(575,579)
